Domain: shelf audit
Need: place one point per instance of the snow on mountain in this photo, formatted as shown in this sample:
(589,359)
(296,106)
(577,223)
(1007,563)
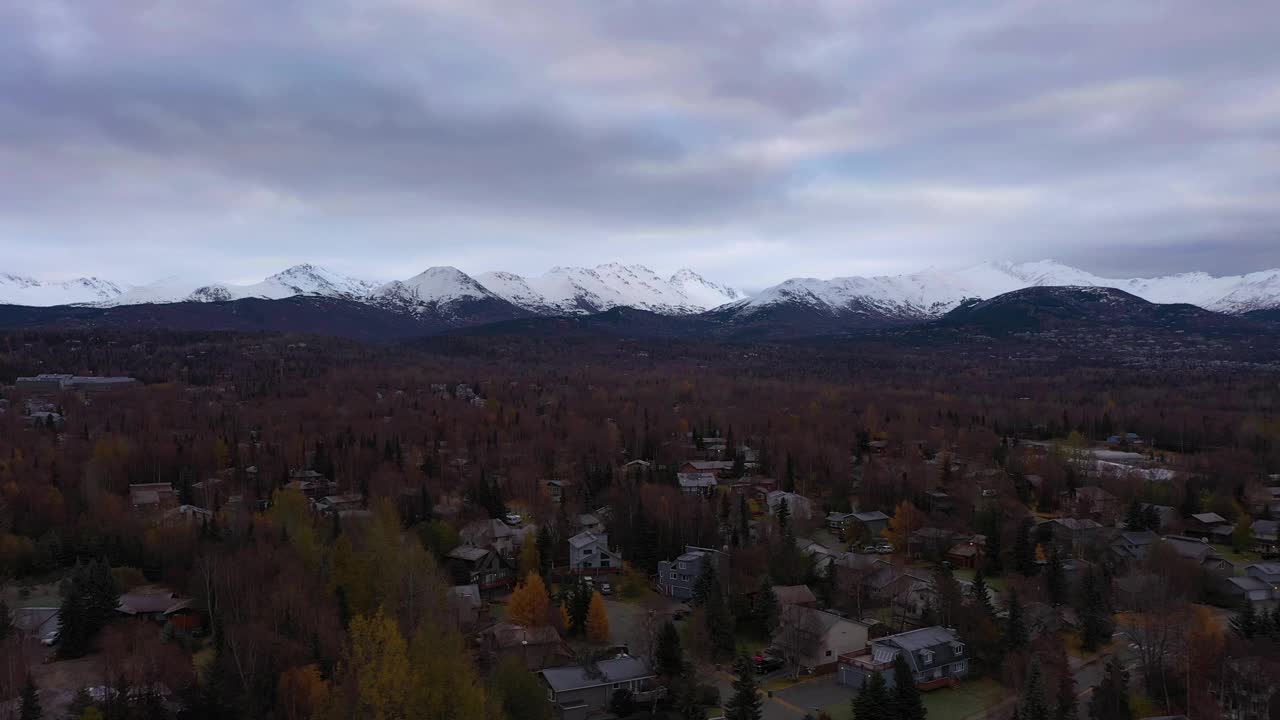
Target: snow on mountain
(576,290)
(21,290)
(297,280)
(933,292)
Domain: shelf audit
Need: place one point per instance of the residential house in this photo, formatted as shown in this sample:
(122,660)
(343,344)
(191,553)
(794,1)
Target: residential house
(1098,504)
(479,566)
(838,522)
(1268,572)
(152,497)
(870,524)
(819,555)
(589,553)
(798,506)
(1130,547)
(676,578)
(535,647)
(34,622)
(1167,514)
(935,655)
(158,605)
(1249,589)
(588,522)
(696,483)
(332,504)
(311,484)
(556,489)
(816,639)
(490,533)
(930,542)
(968,553)
(938,501)
(795,595)
(466,606)
(1208,525)
(578,691)
(1264,536)
(1077,535)
(1200,552)
(719,468)
(186,515)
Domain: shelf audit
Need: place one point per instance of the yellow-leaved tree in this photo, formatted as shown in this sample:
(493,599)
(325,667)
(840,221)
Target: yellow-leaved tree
(529,603)
(906,519)
(380,662)
(302,692)
(597,620)
(445,684)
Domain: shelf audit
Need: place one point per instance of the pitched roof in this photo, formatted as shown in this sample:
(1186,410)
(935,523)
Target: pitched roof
(584,539)
(794,595)
(696,480)
(146,603)
(873,516)
(466,594)
(603,673)
(1266,568)
(505,635)
(1209,518)
(819,620)
(469,553)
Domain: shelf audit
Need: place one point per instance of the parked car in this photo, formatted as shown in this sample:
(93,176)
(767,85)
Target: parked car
(768,663)
(884,548)
(512,519)
(50,638)
(605,588)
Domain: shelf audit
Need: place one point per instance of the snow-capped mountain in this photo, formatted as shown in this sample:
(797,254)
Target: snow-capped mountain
(576,290)
(20,290)
(931,293)
(297,280)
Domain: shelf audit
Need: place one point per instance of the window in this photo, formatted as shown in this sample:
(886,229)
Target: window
(680,565)
(957,648)
(617,685)
(604,563)
(588,551)
(828,653)
(551,695)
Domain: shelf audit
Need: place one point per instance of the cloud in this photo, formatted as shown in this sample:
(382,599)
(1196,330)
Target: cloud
(755,140)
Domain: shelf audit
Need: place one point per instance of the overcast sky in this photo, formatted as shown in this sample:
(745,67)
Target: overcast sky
(750,141)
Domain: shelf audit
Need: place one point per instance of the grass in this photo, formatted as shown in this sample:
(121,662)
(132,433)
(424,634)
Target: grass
(1239,558)
(997,584)
(971,697)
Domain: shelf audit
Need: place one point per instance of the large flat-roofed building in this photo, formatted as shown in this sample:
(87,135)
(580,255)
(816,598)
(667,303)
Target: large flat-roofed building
(54,382)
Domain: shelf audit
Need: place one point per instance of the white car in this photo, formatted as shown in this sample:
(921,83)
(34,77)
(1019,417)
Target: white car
(512,519)
(49,638)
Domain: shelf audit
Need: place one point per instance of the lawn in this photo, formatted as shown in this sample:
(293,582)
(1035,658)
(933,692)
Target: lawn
(969,698)
(997,584)
(1240,559)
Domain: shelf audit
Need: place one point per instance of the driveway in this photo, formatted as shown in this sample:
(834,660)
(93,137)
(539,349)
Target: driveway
(630,620)
(806,697)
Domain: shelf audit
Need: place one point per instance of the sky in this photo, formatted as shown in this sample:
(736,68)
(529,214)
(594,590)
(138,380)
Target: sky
(750,141)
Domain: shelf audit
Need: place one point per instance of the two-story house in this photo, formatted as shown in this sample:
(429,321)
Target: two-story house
(676,578)
(471,565)
(578,691)
(1210,525)
(936,656)
(816,639)
(589,553)
(696,483)
(799,506)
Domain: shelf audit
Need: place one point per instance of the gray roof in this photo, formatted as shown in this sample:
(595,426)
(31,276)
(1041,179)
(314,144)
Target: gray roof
(605,672)
(873,516)
(1208,518)
(467,594)
(470,553)
(1264,529)
(696,479)
(1266,568)
(937,640)
(584,539)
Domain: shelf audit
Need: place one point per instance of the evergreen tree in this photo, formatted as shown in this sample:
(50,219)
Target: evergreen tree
(1245,623)
(1066,705)
(1015,633)
(872,701)
(1055,580)
(1110,699)
(949,595)
(546,549)
(30,705)
(1024,550)
(706,583)
(980,596)
(745,703)
(686,703)
(783,513)
(102,596)
(992,562)
(1033,702)
(669,656)
(905,702)
(74,632)
(765,611)
(1134,518)
(1094,617)
(622,703)
(6,621)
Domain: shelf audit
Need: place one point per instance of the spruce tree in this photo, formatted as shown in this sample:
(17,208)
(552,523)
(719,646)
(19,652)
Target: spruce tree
(1110,699)
(980,596)
(992,549)
(1095,620)
(74,632)
(1245,623)
(1024,550)
(765,610)
(1055,581)
(905,702)
(6,621)
(1066,701)
(1015,633)
(745,703)
(30,707)
(1134,519)
(872,701)
(1033,703)
(669,656)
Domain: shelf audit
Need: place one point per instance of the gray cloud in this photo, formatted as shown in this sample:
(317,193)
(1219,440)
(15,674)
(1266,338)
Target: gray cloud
(752,140)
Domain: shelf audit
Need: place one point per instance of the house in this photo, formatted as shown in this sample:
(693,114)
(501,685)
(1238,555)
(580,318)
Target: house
(838,522)
(1130,547)
(819,555)
(34,622)
(490,533)
(1268,572)
(589,553)
(556,489)
(1255,591)
(718,468)
(930,542)
(1167,514)
(152,497)
(186,515)
(154,605)
(871,524)
(1076,535)
(331,504)
(1200,552)
(795,595)
(588,522)
(578,691)
(1207,525)
(936,656)
(798,506)
(676,578)
(696,483)
(1094,502)
(967,554)
(535,647)
(466,606)
(816,639)
(1264,536)
(938,501)
(479,566)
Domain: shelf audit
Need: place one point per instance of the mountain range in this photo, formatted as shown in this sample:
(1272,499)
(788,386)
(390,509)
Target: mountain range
(607,298)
